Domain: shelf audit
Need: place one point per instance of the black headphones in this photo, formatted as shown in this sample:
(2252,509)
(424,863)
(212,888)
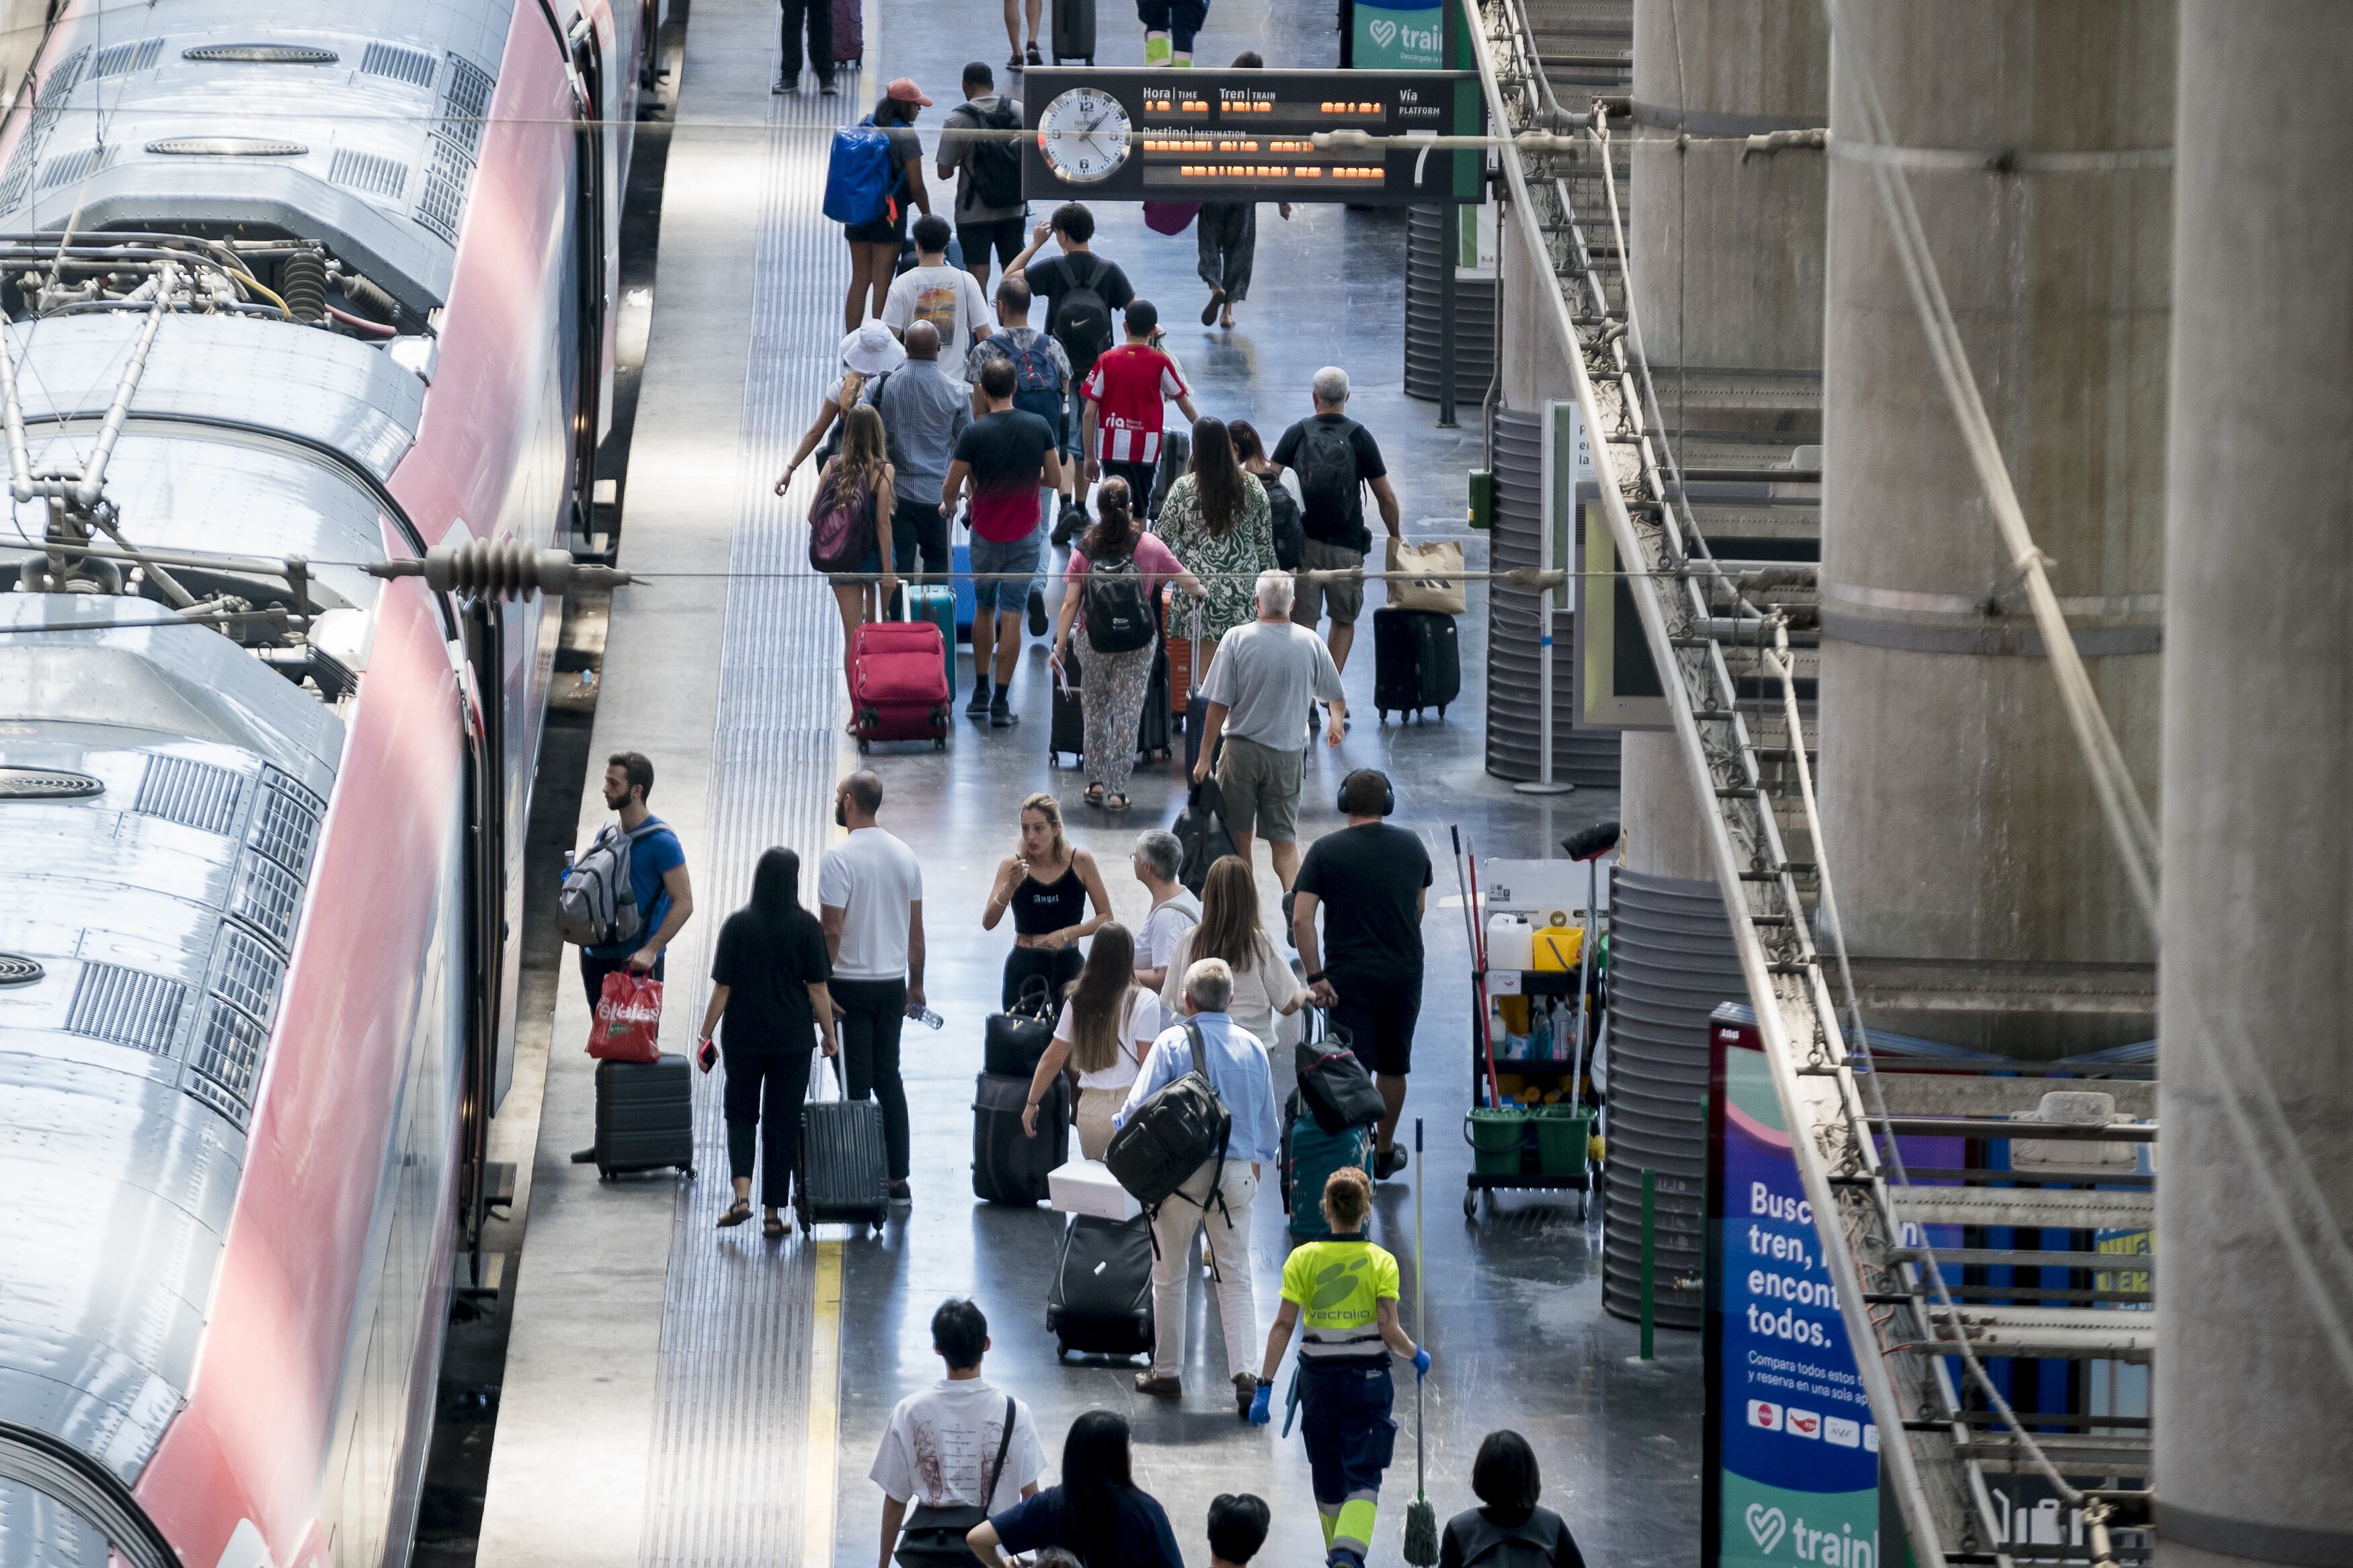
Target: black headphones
(1389,791)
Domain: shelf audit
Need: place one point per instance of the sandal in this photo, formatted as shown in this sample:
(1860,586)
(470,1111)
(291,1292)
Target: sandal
(1114,802)
(1035,57)
(1209,311)
(737,1212)
(1094,795)
(773,1227)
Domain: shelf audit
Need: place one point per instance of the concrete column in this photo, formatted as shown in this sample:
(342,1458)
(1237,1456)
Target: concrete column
(1727,269)
(2033,134)
(2255,1449)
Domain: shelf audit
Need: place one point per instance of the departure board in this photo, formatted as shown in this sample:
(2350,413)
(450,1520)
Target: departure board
(1246,135)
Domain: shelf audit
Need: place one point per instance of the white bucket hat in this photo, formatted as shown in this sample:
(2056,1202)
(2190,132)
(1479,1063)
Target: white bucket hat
(871,349)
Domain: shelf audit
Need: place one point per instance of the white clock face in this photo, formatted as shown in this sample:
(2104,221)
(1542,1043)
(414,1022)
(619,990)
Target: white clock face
(1083,135)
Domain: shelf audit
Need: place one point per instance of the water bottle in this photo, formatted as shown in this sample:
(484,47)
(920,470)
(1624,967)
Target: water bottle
(926,1017)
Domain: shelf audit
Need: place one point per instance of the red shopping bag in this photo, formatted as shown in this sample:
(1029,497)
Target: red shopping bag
(629,1019)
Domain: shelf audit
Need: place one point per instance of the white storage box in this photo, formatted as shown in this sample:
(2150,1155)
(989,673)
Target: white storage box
(1087,1186)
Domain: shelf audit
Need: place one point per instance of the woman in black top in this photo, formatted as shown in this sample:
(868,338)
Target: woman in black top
(1097,1512)
(1048,885)
(768,979)
(1511,1528)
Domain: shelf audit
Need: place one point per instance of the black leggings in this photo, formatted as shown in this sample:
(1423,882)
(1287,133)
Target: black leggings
(763,1105)
(872,1013)
(1057,965)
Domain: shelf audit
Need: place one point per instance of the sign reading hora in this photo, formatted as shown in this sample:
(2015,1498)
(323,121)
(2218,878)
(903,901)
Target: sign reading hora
(1246,135)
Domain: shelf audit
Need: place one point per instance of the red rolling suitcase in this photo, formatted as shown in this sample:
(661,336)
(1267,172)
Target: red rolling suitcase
(899,684)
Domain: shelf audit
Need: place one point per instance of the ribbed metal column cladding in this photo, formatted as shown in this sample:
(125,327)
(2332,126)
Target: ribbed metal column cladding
(1671,965)
(1474,318)
(1515,708)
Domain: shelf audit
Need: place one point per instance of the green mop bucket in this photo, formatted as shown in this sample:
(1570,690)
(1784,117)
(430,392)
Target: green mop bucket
(1563,1133)
(1495,1134)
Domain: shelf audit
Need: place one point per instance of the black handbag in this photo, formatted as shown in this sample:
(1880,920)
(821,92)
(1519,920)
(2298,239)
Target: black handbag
(1334,1085)
(935,1536)
(1202,837)
(1012,1042)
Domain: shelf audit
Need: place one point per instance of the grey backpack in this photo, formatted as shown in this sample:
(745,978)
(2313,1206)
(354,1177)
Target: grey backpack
(598,905)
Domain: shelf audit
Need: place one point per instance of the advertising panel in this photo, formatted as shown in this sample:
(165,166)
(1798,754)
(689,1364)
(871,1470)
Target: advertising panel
(1791,1451)
(1398,36)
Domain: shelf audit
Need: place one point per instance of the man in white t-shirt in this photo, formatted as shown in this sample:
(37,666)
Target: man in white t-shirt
(940,1447)
(930,291)
(1175,910)
(869,891)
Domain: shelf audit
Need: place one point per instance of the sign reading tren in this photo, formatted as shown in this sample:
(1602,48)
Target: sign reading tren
(1247,135)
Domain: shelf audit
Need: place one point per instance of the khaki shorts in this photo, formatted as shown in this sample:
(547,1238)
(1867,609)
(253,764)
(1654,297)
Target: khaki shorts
(1344,602)
(1261,789)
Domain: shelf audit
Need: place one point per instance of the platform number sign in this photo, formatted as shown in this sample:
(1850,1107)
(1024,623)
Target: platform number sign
(1083,135)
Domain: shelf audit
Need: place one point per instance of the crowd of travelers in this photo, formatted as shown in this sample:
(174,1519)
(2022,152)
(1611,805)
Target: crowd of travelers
(1033,418)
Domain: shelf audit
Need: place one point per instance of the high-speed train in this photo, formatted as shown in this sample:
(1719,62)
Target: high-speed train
(291,290)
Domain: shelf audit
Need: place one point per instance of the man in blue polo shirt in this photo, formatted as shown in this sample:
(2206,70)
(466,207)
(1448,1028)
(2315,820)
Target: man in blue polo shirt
(656,876)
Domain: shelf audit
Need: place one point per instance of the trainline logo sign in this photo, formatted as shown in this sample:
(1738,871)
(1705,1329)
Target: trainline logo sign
(1765,1526)
(1384,32)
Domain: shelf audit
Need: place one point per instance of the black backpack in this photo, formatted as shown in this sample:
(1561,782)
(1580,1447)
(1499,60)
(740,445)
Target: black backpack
(1081,318)
(1289,535)
(1167,1139)
(995,161)
(1119,609)
(1327,465)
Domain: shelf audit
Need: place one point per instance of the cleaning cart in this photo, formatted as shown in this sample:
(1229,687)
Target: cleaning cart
(1532,1115)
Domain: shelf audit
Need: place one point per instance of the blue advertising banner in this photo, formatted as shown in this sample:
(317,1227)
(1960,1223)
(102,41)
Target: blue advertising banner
(1792,1452)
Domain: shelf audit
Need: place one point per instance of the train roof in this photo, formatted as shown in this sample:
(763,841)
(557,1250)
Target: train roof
(358,124)
(161,795)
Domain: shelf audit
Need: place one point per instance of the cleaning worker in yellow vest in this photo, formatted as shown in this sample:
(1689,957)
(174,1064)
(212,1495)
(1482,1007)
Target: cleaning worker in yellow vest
(1346,1289)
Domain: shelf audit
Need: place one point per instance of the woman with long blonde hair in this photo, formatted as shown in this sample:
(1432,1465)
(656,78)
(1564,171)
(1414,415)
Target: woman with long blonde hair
(1108,1023)
(1231,929)
(860,476)
(1048,883)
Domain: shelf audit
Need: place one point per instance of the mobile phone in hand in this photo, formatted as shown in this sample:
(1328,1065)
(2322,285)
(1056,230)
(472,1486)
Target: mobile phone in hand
(706,1056)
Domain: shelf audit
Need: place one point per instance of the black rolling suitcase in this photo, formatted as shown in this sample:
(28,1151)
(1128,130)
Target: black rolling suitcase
(645,1117)
(1152,737)
(1008,1165)
(1075,31)
(1416,662)
(844,1175)
(1069,732)
(1100,1300)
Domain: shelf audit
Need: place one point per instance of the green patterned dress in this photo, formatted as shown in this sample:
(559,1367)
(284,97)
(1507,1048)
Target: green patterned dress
(1228,563)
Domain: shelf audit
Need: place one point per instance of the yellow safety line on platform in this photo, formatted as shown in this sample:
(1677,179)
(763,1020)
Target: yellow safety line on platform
(823,1409)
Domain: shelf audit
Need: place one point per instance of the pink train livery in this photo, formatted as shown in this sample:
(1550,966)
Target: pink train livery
(291,290)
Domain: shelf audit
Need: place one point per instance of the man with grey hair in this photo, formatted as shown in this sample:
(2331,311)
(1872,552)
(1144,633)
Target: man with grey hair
(923,410)
(1336,458)
(1265,677)
(1234,1061)
(1175,910)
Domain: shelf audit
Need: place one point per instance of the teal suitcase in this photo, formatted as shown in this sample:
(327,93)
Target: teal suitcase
(937,606)
(1306,1160)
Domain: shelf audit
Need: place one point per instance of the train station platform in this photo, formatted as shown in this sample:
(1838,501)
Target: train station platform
(681,1396)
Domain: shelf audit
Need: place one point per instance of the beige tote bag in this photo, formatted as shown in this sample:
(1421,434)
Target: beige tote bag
(1437,581)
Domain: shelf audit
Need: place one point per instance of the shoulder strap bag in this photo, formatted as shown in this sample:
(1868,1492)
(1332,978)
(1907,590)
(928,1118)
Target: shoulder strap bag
(934,1537)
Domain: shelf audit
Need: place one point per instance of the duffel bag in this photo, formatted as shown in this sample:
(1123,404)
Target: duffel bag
(1334,1085)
